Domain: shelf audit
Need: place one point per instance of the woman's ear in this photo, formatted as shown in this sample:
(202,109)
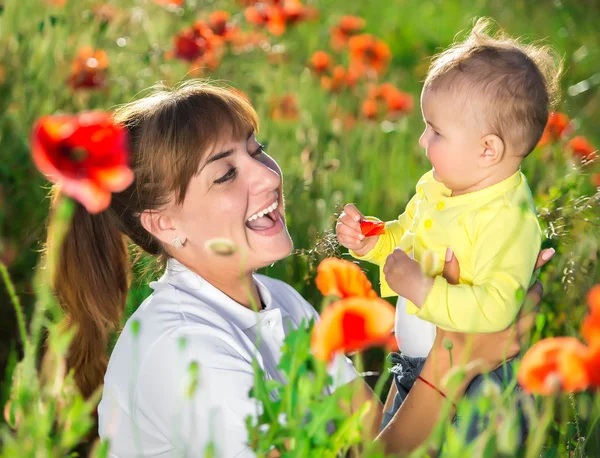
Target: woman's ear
(159,225)
(493,150)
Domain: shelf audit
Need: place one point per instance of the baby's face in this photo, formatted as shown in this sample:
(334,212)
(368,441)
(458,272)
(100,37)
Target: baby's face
(452,139)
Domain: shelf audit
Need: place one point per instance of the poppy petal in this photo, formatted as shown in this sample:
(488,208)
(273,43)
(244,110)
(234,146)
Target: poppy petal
(370,228)
(88,193)
(115,179)
(352,324)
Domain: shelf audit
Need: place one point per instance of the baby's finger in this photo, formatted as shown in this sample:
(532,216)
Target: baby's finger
(349,242)
(344,230)
(349,221)
(352,211)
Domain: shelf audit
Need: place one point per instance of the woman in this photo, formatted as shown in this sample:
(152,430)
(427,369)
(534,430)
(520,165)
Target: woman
(200,174)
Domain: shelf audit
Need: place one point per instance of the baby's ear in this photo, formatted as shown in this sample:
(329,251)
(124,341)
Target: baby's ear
(492,150)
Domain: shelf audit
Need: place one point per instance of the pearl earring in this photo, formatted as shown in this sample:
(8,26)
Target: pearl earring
(178,243)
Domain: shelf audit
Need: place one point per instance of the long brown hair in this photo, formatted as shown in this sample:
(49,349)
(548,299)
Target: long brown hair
(169,132)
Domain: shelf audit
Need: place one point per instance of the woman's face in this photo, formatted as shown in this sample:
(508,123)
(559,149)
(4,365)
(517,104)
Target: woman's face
(236,195)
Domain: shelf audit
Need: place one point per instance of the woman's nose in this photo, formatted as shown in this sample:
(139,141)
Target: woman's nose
(265,175)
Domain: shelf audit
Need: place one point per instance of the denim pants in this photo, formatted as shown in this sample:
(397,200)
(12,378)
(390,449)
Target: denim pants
(407,368)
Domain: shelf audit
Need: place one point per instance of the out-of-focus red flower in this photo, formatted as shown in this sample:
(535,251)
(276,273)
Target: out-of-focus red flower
(221,26)
(285,107)
(246,41)
(370,228)
(593,366)
(89,69)
(336,277)
(104,12)
(352,324)
(582,148)
(57,3)
(320,61)
(555,364)
(396,103)
(369,53)
(169,2)
(558,126)
(277,14)
(86,153)
(399,103)
(339,79)
(198,45)
(596,179)
(591,324)
(341,33)
(369,108)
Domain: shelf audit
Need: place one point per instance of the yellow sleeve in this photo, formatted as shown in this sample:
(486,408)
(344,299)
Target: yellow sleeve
(506,243)
(394,230)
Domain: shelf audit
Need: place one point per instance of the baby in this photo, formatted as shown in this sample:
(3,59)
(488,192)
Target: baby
(485,104)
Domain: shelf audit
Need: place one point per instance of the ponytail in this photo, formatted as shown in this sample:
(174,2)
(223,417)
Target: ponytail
(90,281)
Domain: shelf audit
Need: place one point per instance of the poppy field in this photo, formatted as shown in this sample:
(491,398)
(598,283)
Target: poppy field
(336,86)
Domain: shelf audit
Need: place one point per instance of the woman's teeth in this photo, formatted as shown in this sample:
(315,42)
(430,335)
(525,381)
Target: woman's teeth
(262,213)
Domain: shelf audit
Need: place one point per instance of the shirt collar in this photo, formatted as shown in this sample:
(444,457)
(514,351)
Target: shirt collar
(434,189)
(490,192)
(182,278)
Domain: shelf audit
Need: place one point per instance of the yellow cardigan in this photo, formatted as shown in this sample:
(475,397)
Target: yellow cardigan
(496,237)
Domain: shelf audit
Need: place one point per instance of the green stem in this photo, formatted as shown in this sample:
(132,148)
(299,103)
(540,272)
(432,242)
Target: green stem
(536,442)
(16,304)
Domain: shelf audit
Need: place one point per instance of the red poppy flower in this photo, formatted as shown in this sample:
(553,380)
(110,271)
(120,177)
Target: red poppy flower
(336,277)
(558,126)
(199,45)
(219,23)
(591,324)
(352,324)
(593,366)
(89,69)
(339,79)
(369,53)
(397,102)
(270,16)
(341,33)
(285,107)
(320,62)
(372,228)
(558,363)
(582,148)
(169,2)
(104,12)
(277,14)
(369,109)
(247,41)
(87,154)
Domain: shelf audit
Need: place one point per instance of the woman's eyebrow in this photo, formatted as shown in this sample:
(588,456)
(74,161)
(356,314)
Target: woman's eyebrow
(216,157)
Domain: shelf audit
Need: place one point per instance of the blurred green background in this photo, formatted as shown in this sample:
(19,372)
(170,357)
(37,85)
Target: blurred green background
(329,151)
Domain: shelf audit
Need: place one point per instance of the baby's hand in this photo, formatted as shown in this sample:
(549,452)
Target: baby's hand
(405,276)
(348,231)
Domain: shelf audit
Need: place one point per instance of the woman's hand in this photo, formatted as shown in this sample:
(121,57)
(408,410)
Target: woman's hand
(487,351)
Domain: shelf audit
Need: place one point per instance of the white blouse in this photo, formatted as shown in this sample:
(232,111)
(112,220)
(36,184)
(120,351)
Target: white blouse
(146,410)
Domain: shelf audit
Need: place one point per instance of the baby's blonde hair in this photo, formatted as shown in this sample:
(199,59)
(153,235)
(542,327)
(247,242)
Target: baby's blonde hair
(517,83)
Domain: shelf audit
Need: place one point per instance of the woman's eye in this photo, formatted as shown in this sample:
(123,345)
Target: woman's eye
(228,176)
(260,150)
